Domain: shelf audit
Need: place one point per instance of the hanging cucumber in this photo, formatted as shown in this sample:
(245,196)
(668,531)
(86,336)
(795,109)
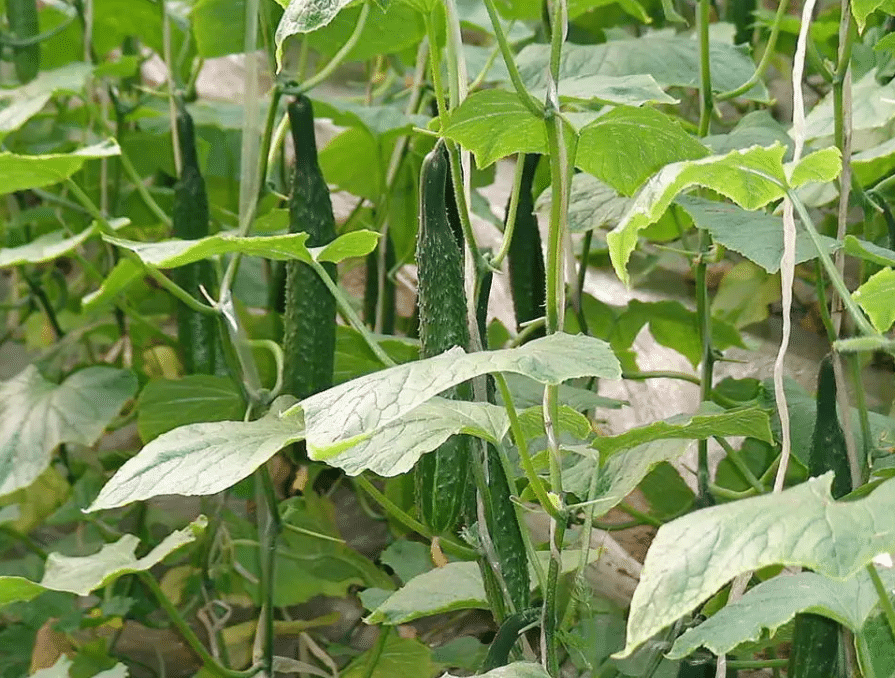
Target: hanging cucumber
(442,475)
(815,645)
(23,24)
(309,323)
(196,332)
(528,281)
(505,534)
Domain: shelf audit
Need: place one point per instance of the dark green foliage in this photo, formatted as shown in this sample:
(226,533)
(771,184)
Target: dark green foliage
(815,647)
(742,15)
(441,475)
(197,333)
(23,24)
(309,325)
(528,282)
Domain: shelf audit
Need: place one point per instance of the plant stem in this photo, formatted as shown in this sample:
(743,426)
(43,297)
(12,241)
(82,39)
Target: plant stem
(838,283)
(737,460)
(411,523)
(884,600)
(510,226)
(528,468)
(765,60)
(341,55)
(267,138)
(376,652)
(525,97)
(269,527)
(351,316)
(705,74)
(743,664)
(639,515)
(188,634)
(176,290)
(704,313)
(662,374)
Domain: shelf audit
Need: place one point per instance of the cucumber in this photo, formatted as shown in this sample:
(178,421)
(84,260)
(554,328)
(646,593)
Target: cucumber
(506,637)
(505,535)
(197,333)
(528,281)
(442,475)
(815,645)
(23,24)
(309,323)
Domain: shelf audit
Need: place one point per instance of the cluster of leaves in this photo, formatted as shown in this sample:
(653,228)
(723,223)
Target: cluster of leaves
(659,145)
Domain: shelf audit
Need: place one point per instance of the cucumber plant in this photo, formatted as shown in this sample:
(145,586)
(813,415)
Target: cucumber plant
(646,144)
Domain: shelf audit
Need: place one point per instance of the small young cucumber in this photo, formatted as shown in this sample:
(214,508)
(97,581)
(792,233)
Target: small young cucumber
(441,476)
(309,323)
(815,644)
(197,333)
(528,282)
(23,24)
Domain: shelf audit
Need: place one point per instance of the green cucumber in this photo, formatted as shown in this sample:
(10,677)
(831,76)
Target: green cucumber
(528,281)
(309,323)
(505,535)
(442,475)
(23,24)
(506,637)
(815,645)
(197,333)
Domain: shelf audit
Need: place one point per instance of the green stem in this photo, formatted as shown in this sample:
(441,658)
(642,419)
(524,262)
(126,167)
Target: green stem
(662,374)
(705,73)
(737,460)
(704,313)
(582,276)
(176,290)
(525,97)
(463,207)
(267,138)
(341,55)
(351,316)
(528,468)
(510,226)
(639,515)
(376,652)
(744,664)
(38,291)
(395,512)
(765,57)
(884,600)
(838,283)
(270,528)
(188,634)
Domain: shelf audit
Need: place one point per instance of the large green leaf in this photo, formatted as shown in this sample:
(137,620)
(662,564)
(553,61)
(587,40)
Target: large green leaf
(379,120)
(631,90)
(37,415)
(394,448)
(869,251)
(201,459)
(83,574)
(875,163)
(864,8)
(304,16)
(175,253)
(514,670)
(873,107)
(165,404)
(773,603)
(495,123)
(343,416)
(673,61)
(756,235)
(454,586)
(21,172)
(592,203)
(693,556)
(628,145)
(620,474)
(43,248)
(752,422)
(28,100)
(120,277)
(405,657)
(751,178)
(877,298)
